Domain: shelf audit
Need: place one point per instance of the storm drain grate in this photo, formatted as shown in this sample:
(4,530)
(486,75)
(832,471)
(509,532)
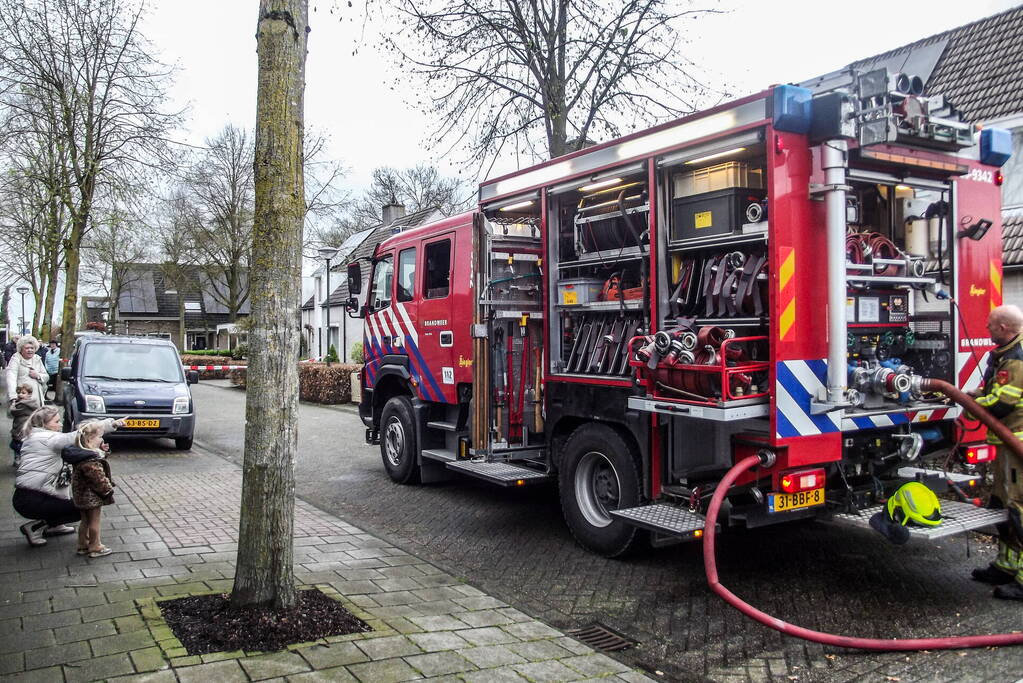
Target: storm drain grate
(600,637)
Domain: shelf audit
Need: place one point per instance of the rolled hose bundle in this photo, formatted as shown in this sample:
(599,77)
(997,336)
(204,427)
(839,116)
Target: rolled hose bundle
(946,643)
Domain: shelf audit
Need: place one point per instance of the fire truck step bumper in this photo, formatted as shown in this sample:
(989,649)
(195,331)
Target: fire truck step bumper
(500,473)
(966,481)
(666,519)
(958,517)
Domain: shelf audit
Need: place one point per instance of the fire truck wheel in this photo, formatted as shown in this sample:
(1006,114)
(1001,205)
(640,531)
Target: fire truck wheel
(398,441)
(599,472)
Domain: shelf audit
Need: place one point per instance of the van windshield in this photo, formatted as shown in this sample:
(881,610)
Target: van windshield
(132,362)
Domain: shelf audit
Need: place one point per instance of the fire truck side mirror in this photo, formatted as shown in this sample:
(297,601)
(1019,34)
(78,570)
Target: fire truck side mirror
(352,306)
(354,278)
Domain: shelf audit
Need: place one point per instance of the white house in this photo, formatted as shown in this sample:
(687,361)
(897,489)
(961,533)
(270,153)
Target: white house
(344,330)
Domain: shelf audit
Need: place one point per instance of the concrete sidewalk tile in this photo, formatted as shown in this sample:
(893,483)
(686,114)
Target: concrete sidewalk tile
(339,674)
(437,623)
(122,642)
(388,646)
(435,642)
(408,611)
(633,677)
(86,631)
(572,645)
(19,641)
(50,675)
(53,620)
(349,574)
(439,607)
(440,663)
(528,630)
(355,587)
(99,668)
(437,580)
(539,650)
(514,614)
(271,666)
(401,625)
(469,591)
(487,635)
(166,676)
(436,593)
(395,598)
(595,665)
(56,655)
(484,618)
(384,671)
(111,611)
(491,656)
(228,670)
(544,672)
(332,655)
(402,584)
(130,623)
(12,663)
(363,600)
(124,594)
(405,570)
(502,675)
(182,588)
(477,603)
(148,659)
(23,609)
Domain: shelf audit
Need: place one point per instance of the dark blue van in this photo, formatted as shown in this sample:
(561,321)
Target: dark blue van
(140,378)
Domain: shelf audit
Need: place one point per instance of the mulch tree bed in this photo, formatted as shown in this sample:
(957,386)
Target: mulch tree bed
(207,623)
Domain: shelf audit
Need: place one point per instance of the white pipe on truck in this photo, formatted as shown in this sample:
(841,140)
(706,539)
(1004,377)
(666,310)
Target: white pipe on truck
(834,163)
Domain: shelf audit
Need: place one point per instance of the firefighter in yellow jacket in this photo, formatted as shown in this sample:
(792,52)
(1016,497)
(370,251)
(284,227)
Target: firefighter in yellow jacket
(1001,395)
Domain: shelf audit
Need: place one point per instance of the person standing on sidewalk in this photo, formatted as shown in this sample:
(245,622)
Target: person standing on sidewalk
(41,492)
(52,365)
(1001,395)
(11,348)
(91,485)
(25,367)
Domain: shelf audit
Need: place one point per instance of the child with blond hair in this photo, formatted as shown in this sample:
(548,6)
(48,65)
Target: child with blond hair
(22,406)
(91,484)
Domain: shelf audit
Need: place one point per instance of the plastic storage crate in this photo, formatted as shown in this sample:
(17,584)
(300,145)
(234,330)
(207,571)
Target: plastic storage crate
(579,290)
(720,177)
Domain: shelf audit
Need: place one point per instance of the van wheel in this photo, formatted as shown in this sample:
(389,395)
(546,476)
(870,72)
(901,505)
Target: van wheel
(398,447)
(599,472)
(183,444)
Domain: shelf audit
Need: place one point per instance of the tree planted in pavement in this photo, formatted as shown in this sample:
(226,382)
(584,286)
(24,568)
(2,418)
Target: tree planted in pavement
(264,575)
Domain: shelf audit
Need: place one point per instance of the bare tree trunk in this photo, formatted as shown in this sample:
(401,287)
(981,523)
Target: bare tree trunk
(264,574)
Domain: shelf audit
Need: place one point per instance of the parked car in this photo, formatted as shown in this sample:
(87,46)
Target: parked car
(140,378)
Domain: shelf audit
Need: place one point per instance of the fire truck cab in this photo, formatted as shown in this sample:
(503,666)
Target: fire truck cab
(775,274)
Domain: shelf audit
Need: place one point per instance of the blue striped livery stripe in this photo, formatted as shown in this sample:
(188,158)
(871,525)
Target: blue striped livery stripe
(797,384)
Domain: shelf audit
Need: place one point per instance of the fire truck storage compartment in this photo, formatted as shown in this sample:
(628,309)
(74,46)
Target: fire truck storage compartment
(722,212)
(703,448)
(599,230)
(510,332)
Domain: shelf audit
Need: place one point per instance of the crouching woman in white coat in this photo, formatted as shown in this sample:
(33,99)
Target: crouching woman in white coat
(40,494)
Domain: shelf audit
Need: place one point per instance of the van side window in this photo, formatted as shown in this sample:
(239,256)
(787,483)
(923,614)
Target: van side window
(406,274)
(380,293)
(438,269)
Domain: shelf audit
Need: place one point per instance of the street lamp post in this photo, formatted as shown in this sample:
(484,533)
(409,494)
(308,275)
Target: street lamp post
(23,290)
(328,253)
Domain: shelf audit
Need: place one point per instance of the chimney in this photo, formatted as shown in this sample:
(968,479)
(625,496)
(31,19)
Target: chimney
(392,211)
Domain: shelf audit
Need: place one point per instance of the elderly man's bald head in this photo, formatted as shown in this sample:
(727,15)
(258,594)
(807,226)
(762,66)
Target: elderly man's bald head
(1004,323)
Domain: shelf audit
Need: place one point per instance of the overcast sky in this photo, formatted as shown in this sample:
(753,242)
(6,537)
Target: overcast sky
(354,94)
(351,93)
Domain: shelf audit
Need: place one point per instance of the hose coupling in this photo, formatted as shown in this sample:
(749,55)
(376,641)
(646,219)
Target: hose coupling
(767,457)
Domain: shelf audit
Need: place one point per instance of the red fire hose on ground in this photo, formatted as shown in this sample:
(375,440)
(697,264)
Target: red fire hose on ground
(948,643)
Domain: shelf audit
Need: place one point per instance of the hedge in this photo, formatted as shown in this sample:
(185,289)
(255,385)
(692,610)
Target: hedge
(206,352)
(317,383)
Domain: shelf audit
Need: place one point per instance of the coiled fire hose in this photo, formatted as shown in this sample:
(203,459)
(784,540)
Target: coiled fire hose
(947,643)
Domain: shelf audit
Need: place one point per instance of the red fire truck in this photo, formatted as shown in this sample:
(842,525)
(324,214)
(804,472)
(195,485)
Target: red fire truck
(777,274)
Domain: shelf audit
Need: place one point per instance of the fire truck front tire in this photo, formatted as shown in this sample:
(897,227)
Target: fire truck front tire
(599,472)
(398,447)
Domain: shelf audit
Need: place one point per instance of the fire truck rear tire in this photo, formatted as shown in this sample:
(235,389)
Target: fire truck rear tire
(398,447)
(600,472)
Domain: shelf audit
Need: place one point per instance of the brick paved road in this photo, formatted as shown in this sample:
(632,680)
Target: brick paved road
(514,545)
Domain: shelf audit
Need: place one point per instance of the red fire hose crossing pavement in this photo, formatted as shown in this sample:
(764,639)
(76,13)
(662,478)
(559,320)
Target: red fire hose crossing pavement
(947,643)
